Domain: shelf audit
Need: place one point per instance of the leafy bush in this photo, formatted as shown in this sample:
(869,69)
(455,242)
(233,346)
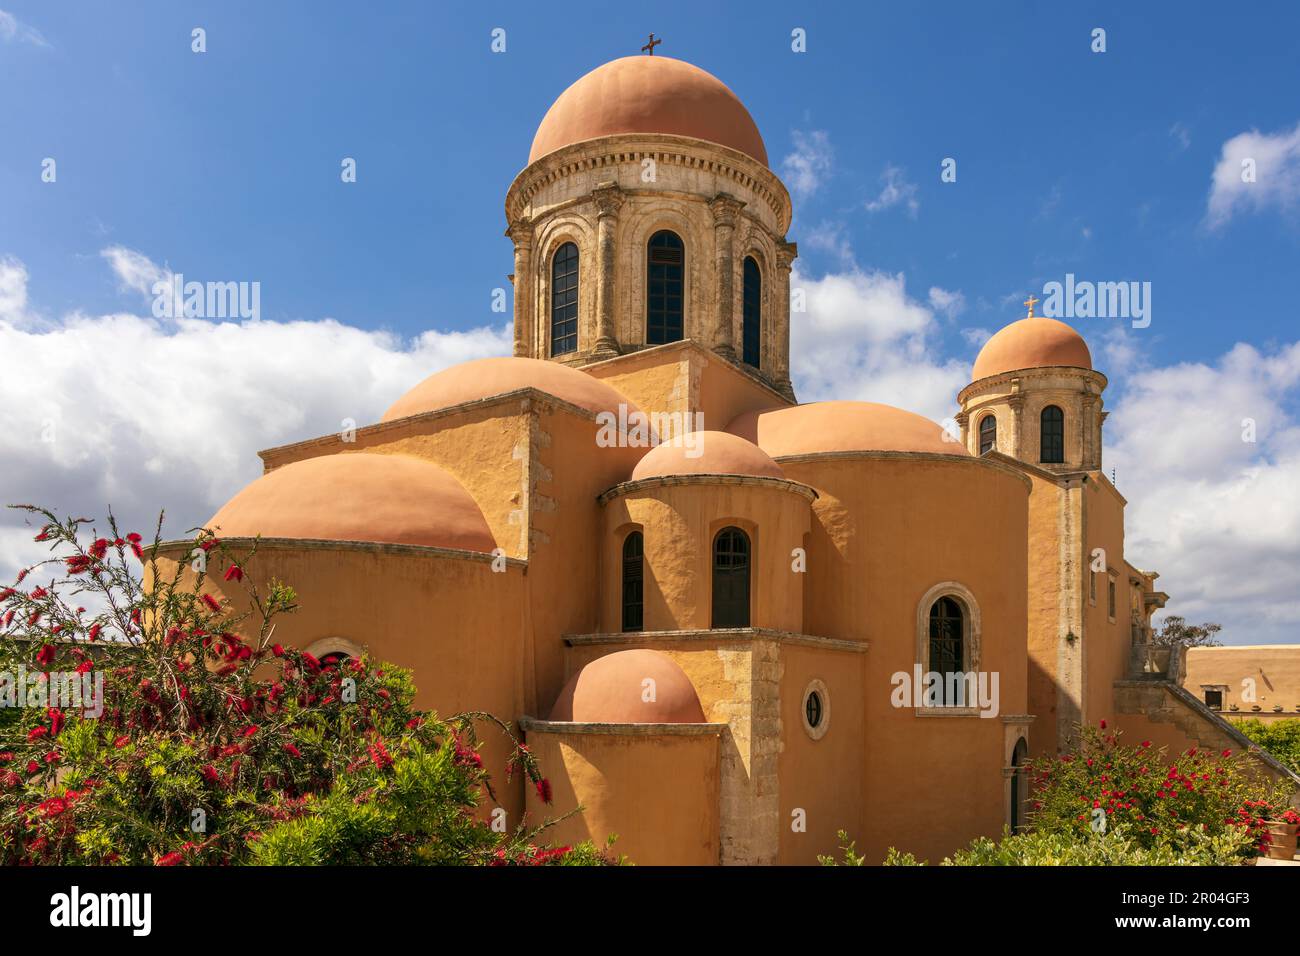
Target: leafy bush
(1281,738)
(215,744)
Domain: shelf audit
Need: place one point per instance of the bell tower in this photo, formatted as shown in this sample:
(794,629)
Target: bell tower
(647,215)
(1035,396)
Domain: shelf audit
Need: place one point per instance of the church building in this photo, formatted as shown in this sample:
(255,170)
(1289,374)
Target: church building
(728,624)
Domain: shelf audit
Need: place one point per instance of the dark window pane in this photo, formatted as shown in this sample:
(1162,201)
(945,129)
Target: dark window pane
(731,578)
(752,313)
(564,300)
(1052,435)
(664,277)
(946,633)
(988,433)
(633,582)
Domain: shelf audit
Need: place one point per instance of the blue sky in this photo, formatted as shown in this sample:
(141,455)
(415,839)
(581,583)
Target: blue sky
(225,166)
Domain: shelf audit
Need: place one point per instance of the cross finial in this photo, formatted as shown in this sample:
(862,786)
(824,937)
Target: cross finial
(1030,302)
(650,47)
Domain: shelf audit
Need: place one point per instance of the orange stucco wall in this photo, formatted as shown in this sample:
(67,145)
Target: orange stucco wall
(1106,640)
(658,792)
(1272,670)
(887,529)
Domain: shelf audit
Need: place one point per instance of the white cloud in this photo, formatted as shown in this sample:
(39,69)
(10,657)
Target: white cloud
(862,337)
(896,190)
(807,167)
(1181,134)
(951,304)
(13,30)
(976,337)
(13,292)
(135,271)
(144,415)
(1276,160)
(1219,517)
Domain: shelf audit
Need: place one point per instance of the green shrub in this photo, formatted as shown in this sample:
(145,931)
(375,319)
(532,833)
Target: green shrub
(1281,738)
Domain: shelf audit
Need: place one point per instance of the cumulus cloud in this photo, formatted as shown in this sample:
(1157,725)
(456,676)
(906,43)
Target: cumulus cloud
(863,337)
(13,30)
(1216,514)
(810,163)
(1276,175)
(897,190)
(951,304)
(121,410)
(135,271)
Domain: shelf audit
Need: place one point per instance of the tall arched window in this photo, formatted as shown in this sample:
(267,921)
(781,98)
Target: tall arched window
(731,578)
(1052,435)
(752,313)
(947,633)
(665,271)
(988,433)
(633,582)
(1018,785)
(564,300)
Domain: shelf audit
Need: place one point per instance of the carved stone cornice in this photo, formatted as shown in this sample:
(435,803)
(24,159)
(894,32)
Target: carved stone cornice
(608,198)
(786,253)
(725,208)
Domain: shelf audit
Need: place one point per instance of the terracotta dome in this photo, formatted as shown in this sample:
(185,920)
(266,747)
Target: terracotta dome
(492,376)
(709,453)
(358,496)
(610,690)
(1036,342)
(841,426)
(648,94)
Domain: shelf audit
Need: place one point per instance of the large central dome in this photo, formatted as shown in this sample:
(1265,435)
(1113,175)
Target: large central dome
(648,94)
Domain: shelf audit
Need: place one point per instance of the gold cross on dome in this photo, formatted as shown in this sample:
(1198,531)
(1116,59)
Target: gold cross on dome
(650,47)
(1030,302)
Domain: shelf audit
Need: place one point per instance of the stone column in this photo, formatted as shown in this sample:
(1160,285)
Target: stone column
(608,198)
(725,209)
(1017,404)
(1088,429)
(786,253)
(962,419)
(521,233)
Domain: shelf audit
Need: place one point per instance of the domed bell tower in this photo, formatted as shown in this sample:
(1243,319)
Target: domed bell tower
(647,215)
(1036,397)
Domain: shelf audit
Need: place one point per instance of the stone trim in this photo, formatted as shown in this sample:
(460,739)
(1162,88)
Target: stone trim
(970,641)
(666,481)
(534,724)
(737,634)
(818,732)
(1043,371)
(322,544)
(603,152)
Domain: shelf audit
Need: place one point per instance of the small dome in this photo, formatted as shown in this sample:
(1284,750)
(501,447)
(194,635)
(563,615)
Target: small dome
(707,453)
(842,426)
(492,376)
(612,690)
(1036,342)
(358,496)
(648,94)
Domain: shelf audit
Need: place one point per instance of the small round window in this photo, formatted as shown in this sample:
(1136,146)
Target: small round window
(816,710)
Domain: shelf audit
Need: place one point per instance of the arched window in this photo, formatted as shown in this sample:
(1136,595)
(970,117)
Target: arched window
(731,578)
(988,433)
(633,582)
(564,300)
(1052,435)
(1018,785)
(947,637)
(752,313)
(665,269)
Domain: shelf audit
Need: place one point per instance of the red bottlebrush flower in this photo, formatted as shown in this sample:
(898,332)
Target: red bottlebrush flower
(43,536)
(212,603)
(53,756)
(211,775)
(292,750)
(45,656)
(134,538)
(1103,725)
(22,573)
(33,767)
(175,858)
(544,790)
(277,650)
(36,733)
(414,722)
(121,742)
(56,721)
(78,564)
(1145,744)
(35,616)
(93,633)
(53,806)
(312,664)
(1226,753)
(99,549)
(250,730)
(379,754)
(6,756)
(233,573)
(137,551)
(210,544)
